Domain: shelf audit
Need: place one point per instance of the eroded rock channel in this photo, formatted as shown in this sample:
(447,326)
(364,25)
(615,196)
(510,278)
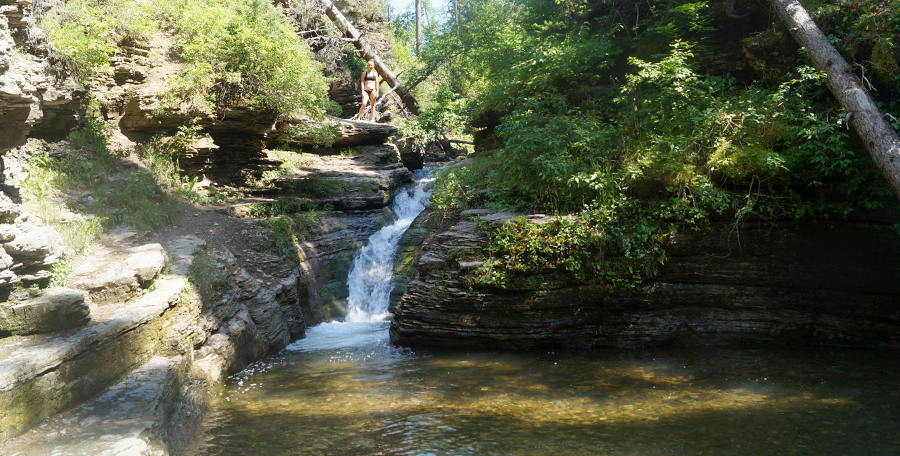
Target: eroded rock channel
(126,356)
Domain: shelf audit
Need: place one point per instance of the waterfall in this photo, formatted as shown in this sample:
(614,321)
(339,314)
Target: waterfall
(370,274)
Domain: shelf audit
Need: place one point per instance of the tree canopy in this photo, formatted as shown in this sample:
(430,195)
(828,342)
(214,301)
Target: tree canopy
(616,113)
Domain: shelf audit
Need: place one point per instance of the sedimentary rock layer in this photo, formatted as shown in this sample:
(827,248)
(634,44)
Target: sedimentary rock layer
(834,283)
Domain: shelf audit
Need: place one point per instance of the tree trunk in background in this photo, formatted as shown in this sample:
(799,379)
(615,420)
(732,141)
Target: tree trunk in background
(418,27)
(456,15)
(879,137)
(369,54)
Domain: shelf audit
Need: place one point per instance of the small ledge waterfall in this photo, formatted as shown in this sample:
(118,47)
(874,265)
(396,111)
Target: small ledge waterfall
(369,280)
(370,274)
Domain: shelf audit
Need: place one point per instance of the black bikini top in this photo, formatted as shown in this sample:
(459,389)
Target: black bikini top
(371,76)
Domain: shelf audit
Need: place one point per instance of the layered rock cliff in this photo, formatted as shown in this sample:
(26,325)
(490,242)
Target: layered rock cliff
(35,101)
(148,326)
(834,283)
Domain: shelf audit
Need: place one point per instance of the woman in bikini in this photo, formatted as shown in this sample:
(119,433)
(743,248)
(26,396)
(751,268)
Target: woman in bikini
(369,83)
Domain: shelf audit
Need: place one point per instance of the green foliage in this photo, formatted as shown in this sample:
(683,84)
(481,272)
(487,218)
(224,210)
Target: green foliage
(85,33)
(185,137)
(402,45)
(160,156)
(447,116)
(288,230)
(585,247)
(454,190)
(281,206)
(94,171)
(203,277)
(866,33)
(241,53)
(235,52)
(627,151)
(290,219)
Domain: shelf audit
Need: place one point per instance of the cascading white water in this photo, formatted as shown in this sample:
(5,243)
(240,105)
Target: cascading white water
(370,274)
(370,281)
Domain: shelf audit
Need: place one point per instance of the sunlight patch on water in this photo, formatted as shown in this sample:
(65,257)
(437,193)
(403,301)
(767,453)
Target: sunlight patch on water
(375,398)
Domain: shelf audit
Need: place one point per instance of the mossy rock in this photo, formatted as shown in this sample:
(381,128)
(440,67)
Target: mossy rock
(56,310)
(884,63)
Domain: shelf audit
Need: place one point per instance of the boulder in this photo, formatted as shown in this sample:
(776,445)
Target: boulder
(56,309)
(326,255)
(113,274)
(346,132)
(411,153)
(364,180)
(9,211)
(35,246)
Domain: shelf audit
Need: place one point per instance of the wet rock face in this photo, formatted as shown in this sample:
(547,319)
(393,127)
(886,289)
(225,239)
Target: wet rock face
(803,283)
(326,255)
(411,153)
(806,284)
(443,305)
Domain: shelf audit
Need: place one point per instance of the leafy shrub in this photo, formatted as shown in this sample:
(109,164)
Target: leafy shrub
(242,53)
(85,33)
(236,52)
(288,230)
(659,148)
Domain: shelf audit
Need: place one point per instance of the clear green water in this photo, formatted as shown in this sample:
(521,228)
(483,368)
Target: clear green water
(346,391)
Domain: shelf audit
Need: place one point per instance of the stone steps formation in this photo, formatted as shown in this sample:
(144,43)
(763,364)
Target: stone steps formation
(106,340)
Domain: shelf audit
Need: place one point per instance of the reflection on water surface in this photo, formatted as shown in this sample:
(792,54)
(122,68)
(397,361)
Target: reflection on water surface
(346,391)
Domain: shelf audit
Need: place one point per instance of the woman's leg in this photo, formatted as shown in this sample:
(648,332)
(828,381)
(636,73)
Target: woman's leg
(362,107)
(372,100)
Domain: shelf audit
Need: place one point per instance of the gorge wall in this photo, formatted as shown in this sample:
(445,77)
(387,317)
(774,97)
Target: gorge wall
(833,283)
(125,357)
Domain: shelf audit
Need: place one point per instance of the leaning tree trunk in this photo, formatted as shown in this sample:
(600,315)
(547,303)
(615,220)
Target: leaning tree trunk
(369,54)
(880,139)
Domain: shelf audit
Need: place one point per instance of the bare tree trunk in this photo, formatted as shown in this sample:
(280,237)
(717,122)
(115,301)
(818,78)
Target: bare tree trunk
(879,137)
(418,27)
(369,54)
(456,15)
